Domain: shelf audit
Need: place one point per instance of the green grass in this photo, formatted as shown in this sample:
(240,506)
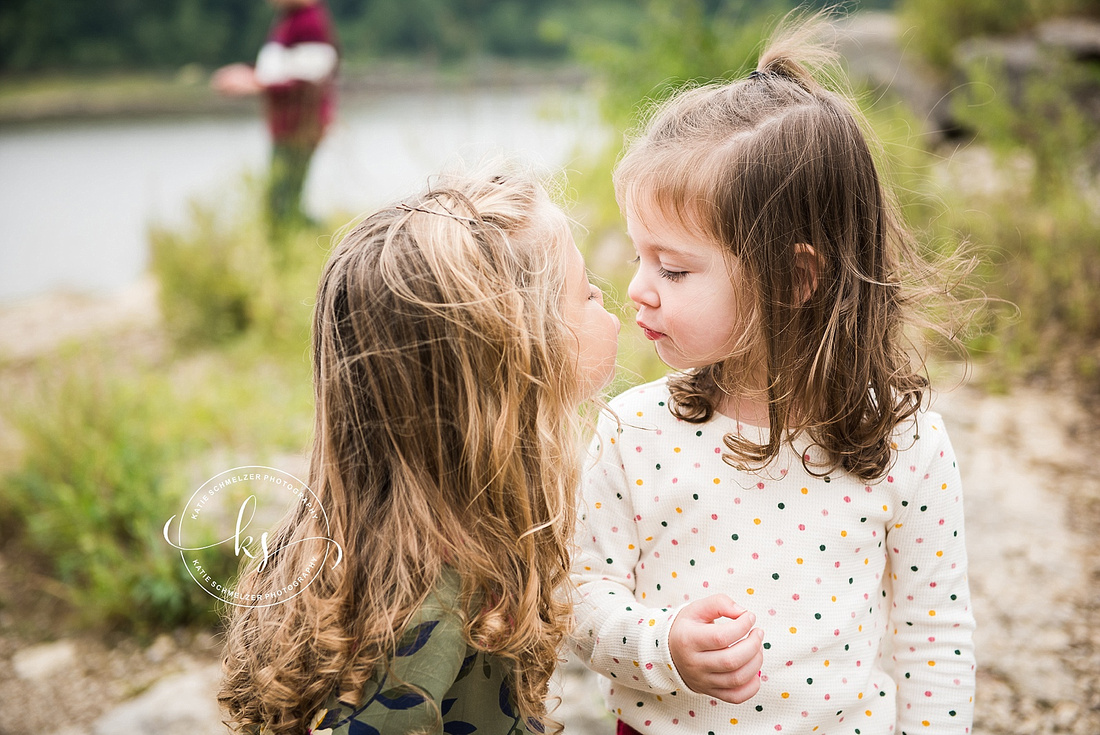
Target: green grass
(110,451)
(113,443)
(1040,228)
(222,278)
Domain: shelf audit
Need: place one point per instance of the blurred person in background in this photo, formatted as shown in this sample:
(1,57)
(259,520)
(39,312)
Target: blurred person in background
(295,73)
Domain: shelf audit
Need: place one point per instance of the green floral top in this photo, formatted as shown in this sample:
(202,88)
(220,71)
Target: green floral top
(467,691)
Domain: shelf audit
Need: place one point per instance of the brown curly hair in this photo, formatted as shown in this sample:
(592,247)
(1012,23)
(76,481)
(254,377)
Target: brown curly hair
(445,435)
(763,166)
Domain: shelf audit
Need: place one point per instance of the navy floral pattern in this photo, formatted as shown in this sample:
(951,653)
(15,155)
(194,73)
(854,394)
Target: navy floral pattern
(435,683)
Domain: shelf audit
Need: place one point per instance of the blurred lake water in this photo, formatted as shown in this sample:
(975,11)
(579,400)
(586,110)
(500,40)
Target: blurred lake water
(76,198)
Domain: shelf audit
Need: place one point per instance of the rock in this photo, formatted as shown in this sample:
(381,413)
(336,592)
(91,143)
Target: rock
(1044,680)
(582,707)
(206,641)
(1014,64)
(1065,714)
(39,662)
(182,704)
(162,648)
(1079,37)
(38,325)
(872,47)
(1016,56)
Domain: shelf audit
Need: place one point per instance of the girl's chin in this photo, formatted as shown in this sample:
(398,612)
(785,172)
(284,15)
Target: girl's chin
(677,361)
(672,358)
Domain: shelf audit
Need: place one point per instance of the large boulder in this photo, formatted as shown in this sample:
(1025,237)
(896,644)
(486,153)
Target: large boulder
(181,704)
(877,55)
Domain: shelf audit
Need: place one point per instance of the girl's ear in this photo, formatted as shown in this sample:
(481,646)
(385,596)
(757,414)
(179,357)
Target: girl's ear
(807,266)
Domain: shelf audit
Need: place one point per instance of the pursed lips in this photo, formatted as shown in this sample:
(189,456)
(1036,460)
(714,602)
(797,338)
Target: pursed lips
(652,334)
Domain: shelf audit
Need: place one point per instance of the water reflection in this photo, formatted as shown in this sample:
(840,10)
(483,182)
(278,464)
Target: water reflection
(75,199)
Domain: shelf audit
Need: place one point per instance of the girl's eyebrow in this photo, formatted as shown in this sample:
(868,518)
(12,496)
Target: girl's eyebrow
(585,274)
(646,240)
(663,249)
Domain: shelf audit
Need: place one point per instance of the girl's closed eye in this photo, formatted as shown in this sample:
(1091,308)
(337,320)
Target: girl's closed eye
(594,292)
(663,272)
(673,276)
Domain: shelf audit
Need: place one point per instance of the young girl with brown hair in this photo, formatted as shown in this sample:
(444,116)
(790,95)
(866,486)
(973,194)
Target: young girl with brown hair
(788,462)
(454,336)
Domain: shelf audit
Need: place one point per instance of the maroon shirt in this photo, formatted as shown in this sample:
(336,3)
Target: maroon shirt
(299,111)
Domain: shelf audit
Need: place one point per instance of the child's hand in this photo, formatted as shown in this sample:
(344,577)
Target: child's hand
(235,80)
(718,657)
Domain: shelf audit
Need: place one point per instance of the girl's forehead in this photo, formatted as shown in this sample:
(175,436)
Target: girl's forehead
(649,217)
(561,227)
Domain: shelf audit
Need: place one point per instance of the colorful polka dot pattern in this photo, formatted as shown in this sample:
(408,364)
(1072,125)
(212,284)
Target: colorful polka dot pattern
(830,565)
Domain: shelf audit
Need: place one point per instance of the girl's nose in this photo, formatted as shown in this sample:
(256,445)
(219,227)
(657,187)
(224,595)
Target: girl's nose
(640,293)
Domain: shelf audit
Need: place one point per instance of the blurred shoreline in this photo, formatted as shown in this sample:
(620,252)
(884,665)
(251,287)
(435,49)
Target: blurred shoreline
(33,100)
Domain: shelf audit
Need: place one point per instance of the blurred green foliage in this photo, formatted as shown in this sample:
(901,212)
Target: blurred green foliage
(111,34)
(1040,223)
(113,443)
(90,494)
(1040,112)
(222,277)
(1042,258)
(678,42)
(38,35)
(113,446)
(939,25)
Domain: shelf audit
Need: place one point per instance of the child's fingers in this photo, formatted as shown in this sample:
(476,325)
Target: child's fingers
(720,635)
(734,671)
(740,694)
(733,662)
(709,609)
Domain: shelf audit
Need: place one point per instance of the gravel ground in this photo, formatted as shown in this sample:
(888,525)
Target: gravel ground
(1033,517)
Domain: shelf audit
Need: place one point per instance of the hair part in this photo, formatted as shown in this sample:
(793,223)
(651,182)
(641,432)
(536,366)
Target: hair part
(763,167)
(445,435)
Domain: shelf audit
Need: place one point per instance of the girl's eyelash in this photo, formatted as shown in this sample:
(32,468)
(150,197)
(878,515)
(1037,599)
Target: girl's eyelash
(673,276)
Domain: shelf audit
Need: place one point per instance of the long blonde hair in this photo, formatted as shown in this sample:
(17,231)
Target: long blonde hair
(759,166)
(445,435)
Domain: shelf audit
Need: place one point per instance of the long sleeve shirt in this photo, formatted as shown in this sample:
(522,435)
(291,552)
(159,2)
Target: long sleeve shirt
(836,570)
(435,683)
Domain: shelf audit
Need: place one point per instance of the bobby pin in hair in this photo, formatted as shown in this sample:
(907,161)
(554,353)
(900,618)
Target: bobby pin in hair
(757,74)
(409,208)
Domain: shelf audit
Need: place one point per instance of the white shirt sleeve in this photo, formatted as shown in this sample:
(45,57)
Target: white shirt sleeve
(306,62)
(932,619)
(617,635)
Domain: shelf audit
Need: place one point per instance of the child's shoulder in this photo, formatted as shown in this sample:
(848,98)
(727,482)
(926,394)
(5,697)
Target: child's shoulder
(923,433)
(445,595)
(653,394)
(443,602)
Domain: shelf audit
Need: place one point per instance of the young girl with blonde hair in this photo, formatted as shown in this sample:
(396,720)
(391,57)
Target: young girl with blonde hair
(750,516)
(454,336)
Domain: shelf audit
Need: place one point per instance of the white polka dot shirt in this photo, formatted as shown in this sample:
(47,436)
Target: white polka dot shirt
(835,569)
